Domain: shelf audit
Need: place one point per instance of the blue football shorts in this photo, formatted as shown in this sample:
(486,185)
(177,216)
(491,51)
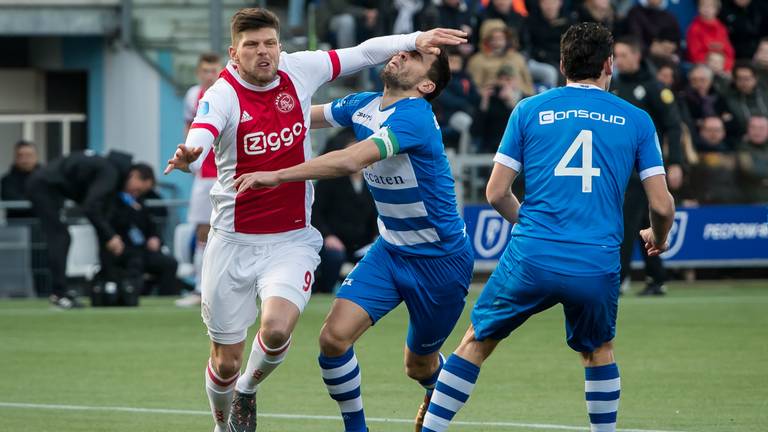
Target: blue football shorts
(433,289)
(518,289)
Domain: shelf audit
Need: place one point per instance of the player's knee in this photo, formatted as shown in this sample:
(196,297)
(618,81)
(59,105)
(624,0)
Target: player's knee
(332,343)
(419,369)
(225,366)
(602,355)
(274,336)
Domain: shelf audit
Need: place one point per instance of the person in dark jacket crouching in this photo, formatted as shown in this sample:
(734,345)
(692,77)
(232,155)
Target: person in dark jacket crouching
(133,222)
(89,180)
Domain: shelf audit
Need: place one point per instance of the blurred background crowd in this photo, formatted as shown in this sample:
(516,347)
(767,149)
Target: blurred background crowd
(700,68)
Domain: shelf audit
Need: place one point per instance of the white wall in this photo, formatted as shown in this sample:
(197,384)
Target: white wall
(131,105)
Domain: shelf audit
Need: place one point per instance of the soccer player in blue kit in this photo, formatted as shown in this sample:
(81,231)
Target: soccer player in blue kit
(577,146)
(423,256)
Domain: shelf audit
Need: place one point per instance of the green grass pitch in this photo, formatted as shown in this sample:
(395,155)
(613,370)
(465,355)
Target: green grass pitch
(695,361)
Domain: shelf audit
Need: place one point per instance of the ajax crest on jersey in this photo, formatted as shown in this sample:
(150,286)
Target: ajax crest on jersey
(491,234)
(285,103)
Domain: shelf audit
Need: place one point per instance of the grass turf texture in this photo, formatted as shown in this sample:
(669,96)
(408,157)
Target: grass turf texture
(694,361)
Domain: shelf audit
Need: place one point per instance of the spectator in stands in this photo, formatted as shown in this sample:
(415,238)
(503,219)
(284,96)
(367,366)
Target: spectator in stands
(541,39)
(658,29)
(92,182)
(702,100)
(636,84)
(133,223)
(747,23)
(447,14)
(760,61)
(721,79)
(713,180)
(345,215)
(13,186)
(458,98)
(599,11)
(496,104)
(499,48)
(345,22)
(745,97)
(753,160)
(666,74)
(707,34)
(501,10)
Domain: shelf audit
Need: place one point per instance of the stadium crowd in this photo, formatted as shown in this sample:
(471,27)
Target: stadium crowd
(708,78)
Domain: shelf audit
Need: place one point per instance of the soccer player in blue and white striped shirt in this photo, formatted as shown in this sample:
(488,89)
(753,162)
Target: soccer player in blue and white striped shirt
(423,256)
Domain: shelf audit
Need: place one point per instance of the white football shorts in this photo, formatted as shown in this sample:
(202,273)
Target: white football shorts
(237,268)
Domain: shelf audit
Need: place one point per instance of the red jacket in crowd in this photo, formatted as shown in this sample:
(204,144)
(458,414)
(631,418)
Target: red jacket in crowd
(706,36)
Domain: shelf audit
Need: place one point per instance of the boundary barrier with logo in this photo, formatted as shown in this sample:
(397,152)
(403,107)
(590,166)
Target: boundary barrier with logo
(707,236)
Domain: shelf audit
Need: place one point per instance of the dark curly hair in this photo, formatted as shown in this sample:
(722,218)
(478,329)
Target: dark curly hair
(584,48)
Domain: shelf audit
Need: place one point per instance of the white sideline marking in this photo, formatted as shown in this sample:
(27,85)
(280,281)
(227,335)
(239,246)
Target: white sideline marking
(299,416)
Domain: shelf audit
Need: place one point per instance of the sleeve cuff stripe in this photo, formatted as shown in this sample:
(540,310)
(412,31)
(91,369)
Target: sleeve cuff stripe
(328,112)
(652,171)
(507,161)
(335,64)
(207,126)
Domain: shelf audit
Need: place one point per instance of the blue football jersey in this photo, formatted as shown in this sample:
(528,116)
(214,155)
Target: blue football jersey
(576,146)
(412,185)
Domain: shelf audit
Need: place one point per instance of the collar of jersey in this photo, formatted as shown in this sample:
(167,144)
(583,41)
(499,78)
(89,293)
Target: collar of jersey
(394,104)
(233,71)
(584,86)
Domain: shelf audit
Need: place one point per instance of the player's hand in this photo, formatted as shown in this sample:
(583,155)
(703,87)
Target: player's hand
(652,246)
(429,42)
(115,245)
(256,180)
(334,243)
(183,158)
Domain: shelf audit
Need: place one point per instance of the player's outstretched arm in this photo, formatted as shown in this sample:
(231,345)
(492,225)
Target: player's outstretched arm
(330,165)
(317,118)
(183,158)
(499,192)
(380,49)
(662,209)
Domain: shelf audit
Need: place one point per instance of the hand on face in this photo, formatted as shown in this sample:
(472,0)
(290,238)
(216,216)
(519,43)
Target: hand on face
(429,42)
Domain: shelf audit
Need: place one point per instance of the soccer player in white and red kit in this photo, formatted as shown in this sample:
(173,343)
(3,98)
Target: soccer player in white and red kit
(257,117)
(199,213)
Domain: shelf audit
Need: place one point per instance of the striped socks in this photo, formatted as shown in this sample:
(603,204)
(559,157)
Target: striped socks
(220,392)
(429,383)
(342,378)
(602,388)
(454,385)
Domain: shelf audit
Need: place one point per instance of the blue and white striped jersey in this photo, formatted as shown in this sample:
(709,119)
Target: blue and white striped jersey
(412,185)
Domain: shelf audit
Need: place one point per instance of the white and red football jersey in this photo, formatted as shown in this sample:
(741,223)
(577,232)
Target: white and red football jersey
(263,129)
(254,128)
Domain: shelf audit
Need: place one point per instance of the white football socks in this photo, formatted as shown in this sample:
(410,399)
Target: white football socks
(262,361)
